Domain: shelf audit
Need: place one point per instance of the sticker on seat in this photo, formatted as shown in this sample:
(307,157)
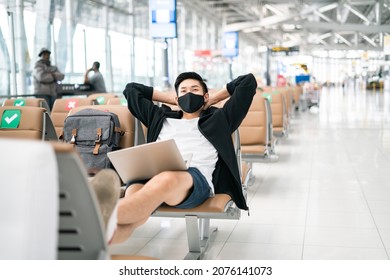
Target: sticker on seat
(100,100)
(19,102)
(10,119)
(70,104)
(123,101)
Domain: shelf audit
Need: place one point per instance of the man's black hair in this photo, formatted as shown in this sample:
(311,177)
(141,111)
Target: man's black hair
(97,64)
(190,75)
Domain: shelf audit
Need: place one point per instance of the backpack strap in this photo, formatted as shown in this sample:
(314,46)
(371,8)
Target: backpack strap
(118,133)
(98,140)
(119,130)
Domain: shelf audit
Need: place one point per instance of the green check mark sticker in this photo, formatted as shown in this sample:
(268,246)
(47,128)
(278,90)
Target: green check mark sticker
(10,119)
(100,100)
(268,96)
(19,102)
(123,101)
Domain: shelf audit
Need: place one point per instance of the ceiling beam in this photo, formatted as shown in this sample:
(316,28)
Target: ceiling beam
(324,17)
(329,47)
(357,13)
(315,26)
(368,40)
(273,9)
(328,7)
(361,2)
(325,35)
(342,13)
(240,11)
(272,20)
(343,39)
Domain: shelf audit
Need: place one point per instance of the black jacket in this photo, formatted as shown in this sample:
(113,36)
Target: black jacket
(217,125)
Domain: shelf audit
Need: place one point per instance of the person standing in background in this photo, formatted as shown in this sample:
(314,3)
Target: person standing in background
(46,77)
(96,80)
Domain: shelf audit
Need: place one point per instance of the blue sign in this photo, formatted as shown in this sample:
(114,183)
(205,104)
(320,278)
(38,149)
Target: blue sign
(162,18)
(302,78)
(230,44)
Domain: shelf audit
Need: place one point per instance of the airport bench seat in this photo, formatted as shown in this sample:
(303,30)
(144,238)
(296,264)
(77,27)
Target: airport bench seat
(28,200)
(198,218)
(198,221)
(257,143)
(33,123)
(101,98)
(279,116)
(81,230)
(33,102)
(216,204)
(61,109)
(254,149)
(117,101)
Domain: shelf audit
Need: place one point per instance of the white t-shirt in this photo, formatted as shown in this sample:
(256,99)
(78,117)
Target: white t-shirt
(190,140)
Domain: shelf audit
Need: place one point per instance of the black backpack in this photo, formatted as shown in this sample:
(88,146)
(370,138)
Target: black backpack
(94,133)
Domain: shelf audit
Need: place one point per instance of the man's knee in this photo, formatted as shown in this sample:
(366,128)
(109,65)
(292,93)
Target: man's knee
(168,183)
(166,180)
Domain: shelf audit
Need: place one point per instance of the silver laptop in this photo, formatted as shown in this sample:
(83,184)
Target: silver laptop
(145,161)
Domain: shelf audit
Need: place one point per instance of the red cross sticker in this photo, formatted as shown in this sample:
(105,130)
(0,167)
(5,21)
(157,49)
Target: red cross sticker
(70,104)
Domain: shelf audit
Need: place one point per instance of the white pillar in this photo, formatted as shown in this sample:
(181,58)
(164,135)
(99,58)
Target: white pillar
(69,32)
(132,42)
(21,47)
(204,41)
(13,55)
(107,40)
(42,28)
(182,34)
(194,27)
(213,35)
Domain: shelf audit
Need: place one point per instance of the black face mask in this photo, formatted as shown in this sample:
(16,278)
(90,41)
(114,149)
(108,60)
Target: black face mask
(191,102)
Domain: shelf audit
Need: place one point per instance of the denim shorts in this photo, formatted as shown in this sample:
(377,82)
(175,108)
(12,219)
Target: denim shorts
(199,192)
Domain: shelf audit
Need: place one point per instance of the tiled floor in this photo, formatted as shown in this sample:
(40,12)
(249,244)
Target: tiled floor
(328,196)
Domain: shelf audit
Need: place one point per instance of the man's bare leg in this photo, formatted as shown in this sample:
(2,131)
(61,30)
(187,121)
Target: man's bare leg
(171,187)
(123,232)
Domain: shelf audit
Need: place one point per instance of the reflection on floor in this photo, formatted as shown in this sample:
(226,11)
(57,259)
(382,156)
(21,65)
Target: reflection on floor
(328,196)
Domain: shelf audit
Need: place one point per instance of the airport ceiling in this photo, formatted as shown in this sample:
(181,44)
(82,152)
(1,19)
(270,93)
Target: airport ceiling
(314,24)
(309,24)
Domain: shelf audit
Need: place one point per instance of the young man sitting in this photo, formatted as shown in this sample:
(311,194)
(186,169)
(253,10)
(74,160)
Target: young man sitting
(197,128)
